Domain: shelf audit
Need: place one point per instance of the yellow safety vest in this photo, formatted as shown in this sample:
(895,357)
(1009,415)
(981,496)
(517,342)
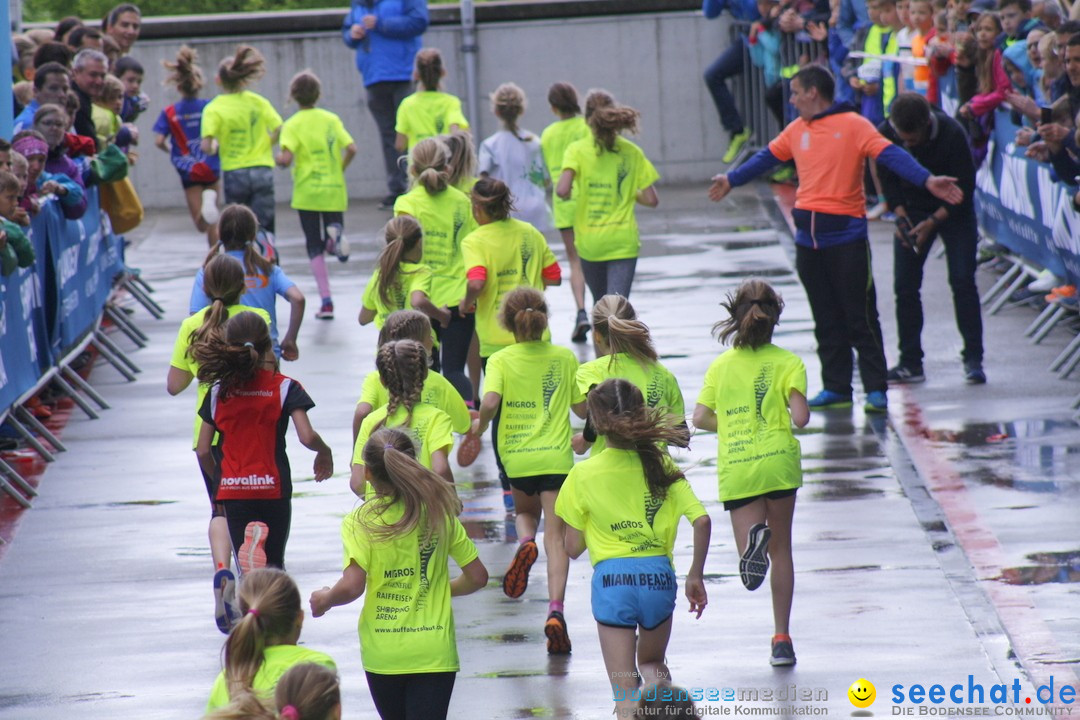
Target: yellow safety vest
(874,47)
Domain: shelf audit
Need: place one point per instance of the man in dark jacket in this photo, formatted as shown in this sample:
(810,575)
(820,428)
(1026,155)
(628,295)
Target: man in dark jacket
(88,78)
(937,142)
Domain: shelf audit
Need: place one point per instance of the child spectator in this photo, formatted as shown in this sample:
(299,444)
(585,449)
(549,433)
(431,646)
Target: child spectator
(130,72)
(428,111)
(992,83)
(51,121)
(917,77)
(514,156)
(1016,22)
(317,141)
(31,145)
(15,248)
(106,110)
(875,78)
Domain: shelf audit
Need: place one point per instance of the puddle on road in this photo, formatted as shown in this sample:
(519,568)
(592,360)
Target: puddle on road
(1049,567)
(497,531)
(829,490)
(44,700)
(501,638)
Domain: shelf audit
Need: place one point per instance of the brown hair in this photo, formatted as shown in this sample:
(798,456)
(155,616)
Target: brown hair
(595,99)
(402,235)
(563,97)
(429,68)
(270,603)
(237,228)
(753,311)
(429,501)
(618,411)
(524,313)
(508,103)
(984,59)
(232,358)
(242,69)
(223,283)
(614,318)
(8,182)
(405,325)
(305,88)
(403,368)
(49,109)
(184,72)
(111,90)
(312,690)
(428,165)
(493,197)
(607,122)
(462,156)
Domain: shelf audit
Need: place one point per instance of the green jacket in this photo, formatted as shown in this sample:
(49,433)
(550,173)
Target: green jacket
(17,252)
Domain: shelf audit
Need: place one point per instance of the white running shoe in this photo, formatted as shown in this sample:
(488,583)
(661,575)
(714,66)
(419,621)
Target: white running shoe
(338,241)
(209,206)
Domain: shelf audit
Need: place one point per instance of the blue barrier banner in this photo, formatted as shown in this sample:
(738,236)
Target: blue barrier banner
(20,365)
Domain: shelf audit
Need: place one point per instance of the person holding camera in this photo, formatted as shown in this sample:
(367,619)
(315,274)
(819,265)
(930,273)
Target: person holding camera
(938,143)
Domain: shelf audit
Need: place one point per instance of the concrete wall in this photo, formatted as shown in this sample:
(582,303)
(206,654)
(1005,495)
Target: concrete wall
(652,62)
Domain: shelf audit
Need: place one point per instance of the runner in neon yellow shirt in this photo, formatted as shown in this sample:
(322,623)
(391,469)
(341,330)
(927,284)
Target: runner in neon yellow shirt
(624,506)
(317,141)
(400,282)
(500,255)
(556,137)
(528,390)
(428,112)
(752,395)
(611,175)
(445,215)
(397,547)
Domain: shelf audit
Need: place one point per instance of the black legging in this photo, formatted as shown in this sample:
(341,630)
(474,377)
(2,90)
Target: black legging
(314,224)
(277,514)
(417,696)
(454,350)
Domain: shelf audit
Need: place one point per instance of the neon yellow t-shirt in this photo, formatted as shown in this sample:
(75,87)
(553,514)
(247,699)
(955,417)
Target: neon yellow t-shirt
(465,184)
(445,218)
(656,383)
(106,123)
(535,380)
(606,186)
(412,277)
(316,138)
(242,123)
(182,361)
(277,660)
(427,113)
(757,452)
(407,624)
(606,497)
(513,253)
(431,428)
(437,392)
(553,141)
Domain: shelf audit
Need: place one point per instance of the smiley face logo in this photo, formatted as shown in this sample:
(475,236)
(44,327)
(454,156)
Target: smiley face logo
(862,693)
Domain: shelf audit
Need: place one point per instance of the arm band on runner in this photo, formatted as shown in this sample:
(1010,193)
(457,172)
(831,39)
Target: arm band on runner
(552,272)
(477,273)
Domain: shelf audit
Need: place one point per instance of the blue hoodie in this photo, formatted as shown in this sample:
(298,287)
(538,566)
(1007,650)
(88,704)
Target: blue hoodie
(387,52)
(1017,55)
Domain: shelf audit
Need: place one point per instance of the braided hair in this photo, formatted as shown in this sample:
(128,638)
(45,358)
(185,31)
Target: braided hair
(403,368)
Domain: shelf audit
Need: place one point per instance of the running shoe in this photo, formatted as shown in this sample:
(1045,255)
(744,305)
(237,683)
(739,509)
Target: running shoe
(876,402)
(326,312)
(904,375)
(558,639)
(252,554)
(828,400)
(973,373)
(517,576)
(785,174)
(735,145)
(1044,282)
(470,445)
(783,652)
(336,242)
(754,562)
(209,210)
(581,327)
(1058,293)
(225,609)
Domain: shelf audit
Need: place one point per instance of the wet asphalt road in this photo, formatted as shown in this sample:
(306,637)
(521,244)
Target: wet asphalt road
(931,546)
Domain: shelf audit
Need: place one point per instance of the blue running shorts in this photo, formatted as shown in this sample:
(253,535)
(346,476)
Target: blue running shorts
(628,592)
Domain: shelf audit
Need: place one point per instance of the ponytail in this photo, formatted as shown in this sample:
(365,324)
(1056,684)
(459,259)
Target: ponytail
(607,122)
(428,165)
(429,68)
(242,69)
(223,283)
(617,410)
(563,97)
(613,317)
(270,603)
(402,235)
(508,103)
(429,501)
(493,197)
(524,313)
(237,228)
(403,368)
(184,72)
(753,311)
(462,156)
(231,359)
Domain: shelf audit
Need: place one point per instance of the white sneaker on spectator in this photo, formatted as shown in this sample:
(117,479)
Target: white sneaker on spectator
(209,206)
(1045,282)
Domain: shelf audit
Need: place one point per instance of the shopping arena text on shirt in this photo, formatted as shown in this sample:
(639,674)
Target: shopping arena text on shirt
(997,699)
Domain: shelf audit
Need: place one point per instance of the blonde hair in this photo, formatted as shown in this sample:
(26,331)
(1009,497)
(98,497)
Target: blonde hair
(270,603)
(402,235)
(613,317)
(508,103)
(524,313)
(462,156)
(242,69)
(403,368)
(184,72)
(428,165)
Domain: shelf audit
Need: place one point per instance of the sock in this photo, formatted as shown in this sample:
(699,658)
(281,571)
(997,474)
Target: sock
(221,566)
(318,269)
(555,606)
(526,539)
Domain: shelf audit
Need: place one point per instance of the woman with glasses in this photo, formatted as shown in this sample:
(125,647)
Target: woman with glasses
(52,121)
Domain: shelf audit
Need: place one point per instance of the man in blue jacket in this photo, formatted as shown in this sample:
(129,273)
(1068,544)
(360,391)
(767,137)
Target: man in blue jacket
(386,37)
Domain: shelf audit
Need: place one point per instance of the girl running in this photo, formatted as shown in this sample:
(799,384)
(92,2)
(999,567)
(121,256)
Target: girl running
(445,216)
(428,111)
(413,325)
(223,281)
(178,131)
(317,141)
(241,127)
(400,281)
(611,175)
(624,505)
(462,160)
(403,369)
(514,156)
(237,230)
(752,395)
(250,404)
(528,390)
(262,646)
(307,691)
(570,127)
(396,550)
(627,352)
